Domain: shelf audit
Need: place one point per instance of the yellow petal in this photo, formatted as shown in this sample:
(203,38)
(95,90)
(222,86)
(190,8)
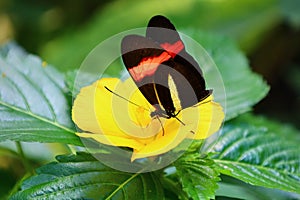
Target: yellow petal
(99,111)
(209,117)
(174,134)
(86,109)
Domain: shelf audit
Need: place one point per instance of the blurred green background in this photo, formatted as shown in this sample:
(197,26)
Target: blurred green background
(64,32)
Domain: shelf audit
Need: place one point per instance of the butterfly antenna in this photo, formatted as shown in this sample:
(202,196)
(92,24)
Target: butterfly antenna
(179,120)
(125,98)
(161,125)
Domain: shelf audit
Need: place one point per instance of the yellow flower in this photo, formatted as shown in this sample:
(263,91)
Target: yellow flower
(109,119)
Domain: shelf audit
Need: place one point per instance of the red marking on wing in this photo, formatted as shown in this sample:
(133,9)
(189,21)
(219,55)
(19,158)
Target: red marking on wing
(173,49)
(148,66)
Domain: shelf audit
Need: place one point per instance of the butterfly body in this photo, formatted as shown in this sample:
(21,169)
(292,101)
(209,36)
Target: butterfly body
(168,76)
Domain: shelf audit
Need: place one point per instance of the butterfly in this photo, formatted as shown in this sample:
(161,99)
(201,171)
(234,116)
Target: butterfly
(165,73)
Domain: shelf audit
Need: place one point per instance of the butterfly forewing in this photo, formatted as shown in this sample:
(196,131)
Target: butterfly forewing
(162,31)
(148,65)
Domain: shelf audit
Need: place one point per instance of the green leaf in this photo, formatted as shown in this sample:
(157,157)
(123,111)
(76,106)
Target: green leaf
(33,105)
(82,177)
(243,88)
(198,176)
(257,155)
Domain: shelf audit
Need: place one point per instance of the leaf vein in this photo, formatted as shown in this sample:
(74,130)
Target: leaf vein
(36,117)
(19,91)
(265,169)
(40,92)
(279,153)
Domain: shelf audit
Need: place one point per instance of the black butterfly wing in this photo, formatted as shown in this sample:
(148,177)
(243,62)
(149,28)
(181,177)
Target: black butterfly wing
(148,64)
(162,31)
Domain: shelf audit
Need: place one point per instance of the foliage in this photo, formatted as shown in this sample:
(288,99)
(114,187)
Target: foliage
(82,176)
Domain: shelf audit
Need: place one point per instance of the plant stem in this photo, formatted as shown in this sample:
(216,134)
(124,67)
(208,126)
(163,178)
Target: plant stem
(25,161)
